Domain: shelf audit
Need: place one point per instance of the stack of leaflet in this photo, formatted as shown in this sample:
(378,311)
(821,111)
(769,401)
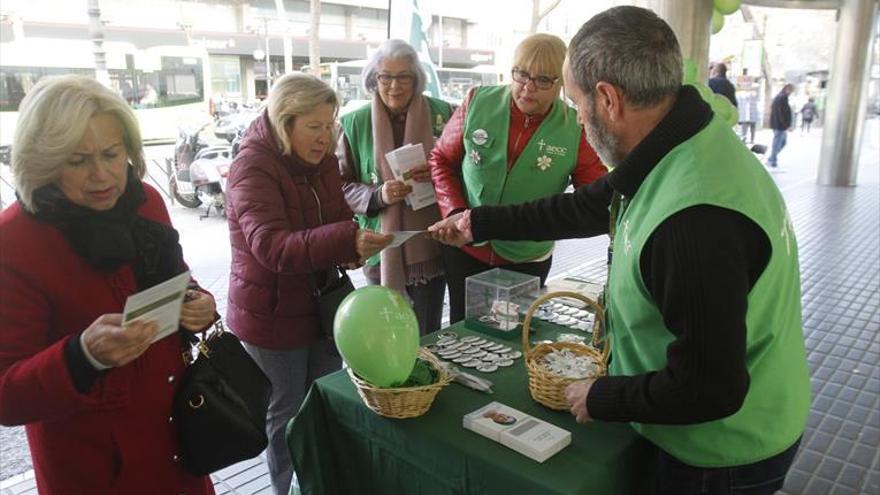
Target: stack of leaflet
(517,430)
(402,161)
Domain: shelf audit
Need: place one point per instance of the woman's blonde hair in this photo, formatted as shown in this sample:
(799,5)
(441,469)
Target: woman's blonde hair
(540,54)
(294,95)
(52,120)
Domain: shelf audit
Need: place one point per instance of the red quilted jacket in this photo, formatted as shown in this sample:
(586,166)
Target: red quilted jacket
(287,221)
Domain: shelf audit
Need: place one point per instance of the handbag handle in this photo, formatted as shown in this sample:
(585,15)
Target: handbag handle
(204,345)
(337,270)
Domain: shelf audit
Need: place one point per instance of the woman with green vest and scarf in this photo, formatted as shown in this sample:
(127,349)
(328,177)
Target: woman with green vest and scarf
(508,144)
(399,114)
(703,295)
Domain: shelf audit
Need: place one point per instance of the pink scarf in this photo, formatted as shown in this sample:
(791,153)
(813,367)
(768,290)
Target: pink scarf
(418,260)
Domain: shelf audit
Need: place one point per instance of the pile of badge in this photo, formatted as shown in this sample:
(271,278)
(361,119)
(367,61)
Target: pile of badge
(566,316)
(480,353)
(567,364)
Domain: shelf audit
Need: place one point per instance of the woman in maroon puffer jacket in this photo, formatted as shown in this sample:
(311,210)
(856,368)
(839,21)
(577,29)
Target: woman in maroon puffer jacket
(288,224)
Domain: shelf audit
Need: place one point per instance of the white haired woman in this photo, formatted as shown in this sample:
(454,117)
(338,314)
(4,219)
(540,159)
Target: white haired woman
(94,395)
(399,113)
(288,225)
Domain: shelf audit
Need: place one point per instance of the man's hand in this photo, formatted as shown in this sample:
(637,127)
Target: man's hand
(576,396)
(455,230)
(197,311)
(113,345)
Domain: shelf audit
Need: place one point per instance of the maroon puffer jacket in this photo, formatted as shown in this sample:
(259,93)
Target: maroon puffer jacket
(287,220)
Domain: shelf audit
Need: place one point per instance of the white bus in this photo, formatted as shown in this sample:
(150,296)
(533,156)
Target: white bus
(166,85)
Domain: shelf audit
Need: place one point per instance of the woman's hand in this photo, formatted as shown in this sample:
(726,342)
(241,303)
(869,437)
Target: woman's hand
(368,243)
(113,345)
(395,191)
(198,311)
(421,174)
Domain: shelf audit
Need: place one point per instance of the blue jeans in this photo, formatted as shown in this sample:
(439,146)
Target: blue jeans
(761,478)
(779,138)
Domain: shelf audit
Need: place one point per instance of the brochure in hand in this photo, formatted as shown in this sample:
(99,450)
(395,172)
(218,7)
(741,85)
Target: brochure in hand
(160,304)
(402,161)
(530,436)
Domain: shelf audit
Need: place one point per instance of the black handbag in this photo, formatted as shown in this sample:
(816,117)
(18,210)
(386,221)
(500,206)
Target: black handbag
(220,406)
(336,287)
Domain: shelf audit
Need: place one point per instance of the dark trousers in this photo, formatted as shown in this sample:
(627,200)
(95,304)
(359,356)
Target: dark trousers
(459,265)
(427,301)
(761,478)
(747,131)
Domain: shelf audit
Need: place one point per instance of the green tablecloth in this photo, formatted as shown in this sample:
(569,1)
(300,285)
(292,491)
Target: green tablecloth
(339,446)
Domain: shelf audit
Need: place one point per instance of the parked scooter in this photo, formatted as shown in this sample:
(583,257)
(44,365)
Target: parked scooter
(200,171)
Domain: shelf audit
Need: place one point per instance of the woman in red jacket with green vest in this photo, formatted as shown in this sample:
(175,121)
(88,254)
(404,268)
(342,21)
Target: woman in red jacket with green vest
(399,114)
(505,145)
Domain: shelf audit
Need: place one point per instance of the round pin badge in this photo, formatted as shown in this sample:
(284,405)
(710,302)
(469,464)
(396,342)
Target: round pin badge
(448,335)
(461,359)
(487,367)
(480,137)
(513,355)
(504,362)
(446,341)
(490,357)
(471,363)
(470,339)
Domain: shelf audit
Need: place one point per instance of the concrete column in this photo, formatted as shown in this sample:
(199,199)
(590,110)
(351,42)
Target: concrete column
(845,106)
(691,20)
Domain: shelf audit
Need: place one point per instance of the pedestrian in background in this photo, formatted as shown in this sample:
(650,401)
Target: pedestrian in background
(780,122)
(719,83)
(398,114)
(808,113)
(748,115)
(288,226)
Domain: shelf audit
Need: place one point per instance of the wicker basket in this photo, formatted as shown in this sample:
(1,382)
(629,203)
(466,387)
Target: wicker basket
(545,387)
(401,403)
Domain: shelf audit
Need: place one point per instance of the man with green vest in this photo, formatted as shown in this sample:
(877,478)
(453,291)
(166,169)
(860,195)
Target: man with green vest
(703,293)
(398,114)
(509,144)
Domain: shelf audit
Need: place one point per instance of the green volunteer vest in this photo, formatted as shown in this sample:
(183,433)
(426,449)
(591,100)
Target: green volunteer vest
(544,168)
(714,168)
(358,128)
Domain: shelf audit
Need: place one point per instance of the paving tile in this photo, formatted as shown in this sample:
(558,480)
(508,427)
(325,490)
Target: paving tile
(818,486)
(852,476)
(830,468)
(863,455)
(841,448)
(795,481)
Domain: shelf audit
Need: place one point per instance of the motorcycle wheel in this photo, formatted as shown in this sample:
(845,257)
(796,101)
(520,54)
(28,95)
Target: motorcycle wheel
(190,200)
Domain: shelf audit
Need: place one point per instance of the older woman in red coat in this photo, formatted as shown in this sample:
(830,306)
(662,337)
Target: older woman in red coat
(289,224)
(95,396)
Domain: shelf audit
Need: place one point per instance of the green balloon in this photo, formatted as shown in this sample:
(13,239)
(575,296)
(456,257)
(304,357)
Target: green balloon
(717,21)
(689,72)
(377,334)
(726,7)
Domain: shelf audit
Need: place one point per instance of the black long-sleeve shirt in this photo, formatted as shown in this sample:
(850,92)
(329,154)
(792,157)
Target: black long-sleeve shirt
(698,265)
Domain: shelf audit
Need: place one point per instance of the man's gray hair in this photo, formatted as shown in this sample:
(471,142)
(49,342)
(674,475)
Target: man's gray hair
(53,118)
(394,50)
(631,48)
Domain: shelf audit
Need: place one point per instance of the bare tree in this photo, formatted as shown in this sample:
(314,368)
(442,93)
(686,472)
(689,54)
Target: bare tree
(314,39)
(538,14)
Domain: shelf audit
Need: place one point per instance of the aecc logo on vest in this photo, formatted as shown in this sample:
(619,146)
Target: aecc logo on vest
(552,150)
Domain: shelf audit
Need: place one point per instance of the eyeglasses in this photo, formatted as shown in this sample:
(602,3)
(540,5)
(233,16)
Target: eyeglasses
(541,82)
(402,79)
